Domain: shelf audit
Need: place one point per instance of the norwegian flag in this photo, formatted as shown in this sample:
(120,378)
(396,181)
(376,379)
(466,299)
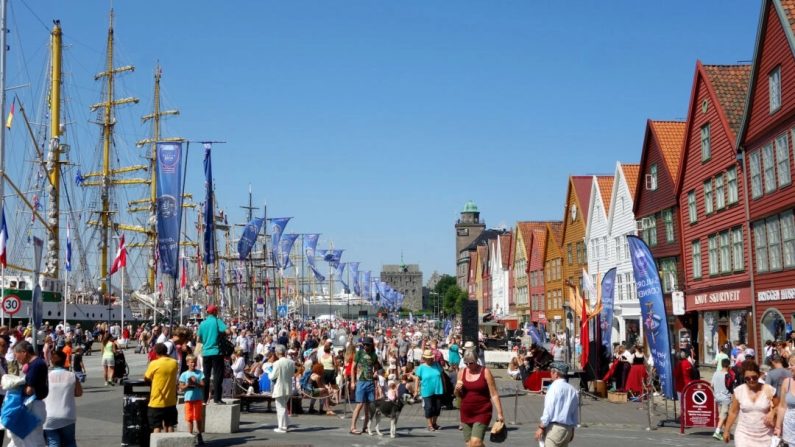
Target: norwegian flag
(183,280)
(121,257)
(3,237)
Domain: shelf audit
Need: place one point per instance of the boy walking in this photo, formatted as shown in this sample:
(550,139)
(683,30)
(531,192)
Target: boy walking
(191,382)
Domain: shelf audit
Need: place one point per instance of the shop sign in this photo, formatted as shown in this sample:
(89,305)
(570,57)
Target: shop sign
(776,295)
(678,302)
(733,298)
(698,406)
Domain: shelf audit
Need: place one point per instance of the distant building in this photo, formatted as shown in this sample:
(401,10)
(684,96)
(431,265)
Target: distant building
(467,229)
(406,279)
(433,280)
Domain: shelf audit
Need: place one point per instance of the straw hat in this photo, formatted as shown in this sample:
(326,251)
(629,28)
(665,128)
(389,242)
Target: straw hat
(427,354)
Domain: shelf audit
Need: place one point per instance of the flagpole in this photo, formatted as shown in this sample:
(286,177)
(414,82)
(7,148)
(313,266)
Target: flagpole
(2,295)
(66,295)
(123,269)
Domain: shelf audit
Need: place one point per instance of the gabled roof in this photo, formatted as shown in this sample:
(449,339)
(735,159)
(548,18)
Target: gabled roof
(527,229)
(505,249)
(730,83)
(605,189)
(785,9)
(553,230)
(727,85)
(631,172)
(483,238)
(582,187)
(670,135)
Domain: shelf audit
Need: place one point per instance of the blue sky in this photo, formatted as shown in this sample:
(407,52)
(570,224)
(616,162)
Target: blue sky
(373,122)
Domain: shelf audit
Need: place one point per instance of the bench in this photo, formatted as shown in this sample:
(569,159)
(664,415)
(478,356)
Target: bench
(247,399)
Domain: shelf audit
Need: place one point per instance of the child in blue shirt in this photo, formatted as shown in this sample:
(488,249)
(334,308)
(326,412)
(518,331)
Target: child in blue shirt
(191,382)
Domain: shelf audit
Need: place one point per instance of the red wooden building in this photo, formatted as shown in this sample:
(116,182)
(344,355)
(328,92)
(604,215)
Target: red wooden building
(655,204)
(710,189)
(765,144)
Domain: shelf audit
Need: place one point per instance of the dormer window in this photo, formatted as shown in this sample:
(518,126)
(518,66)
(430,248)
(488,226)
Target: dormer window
(774,88)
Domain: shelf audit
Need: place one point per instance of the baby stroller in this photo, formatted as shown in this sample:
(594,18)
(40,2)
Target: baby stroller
(121,369)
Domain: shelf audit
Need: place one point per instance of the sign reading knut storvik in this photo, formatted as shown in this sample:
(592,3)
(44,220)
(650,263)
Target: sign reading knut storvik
(698,406)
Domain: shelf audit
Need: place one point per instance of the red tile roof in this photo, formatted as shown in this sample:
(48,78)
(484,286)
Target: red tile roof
(606,189)
(789,8)
(670,135)
(730,83)
(526,228)
(631,173)
(505,249)
(582,188)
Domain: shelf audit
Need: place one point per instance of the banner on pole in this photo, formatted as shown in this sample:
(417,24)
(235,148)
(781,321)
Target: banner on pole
(606,316)
(169,206)
(209,207)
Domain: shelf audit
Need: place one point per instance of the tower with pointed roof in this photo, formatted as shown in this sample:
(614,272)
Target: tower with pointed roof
(467,229)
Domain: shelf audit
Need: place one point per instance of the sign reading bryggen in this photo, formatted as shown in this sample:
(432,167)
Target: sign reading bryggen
(776,295)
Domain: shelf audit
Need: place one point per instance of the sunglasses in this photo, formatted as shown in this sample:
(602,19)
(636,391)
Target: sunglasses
(471,363)
(751,378)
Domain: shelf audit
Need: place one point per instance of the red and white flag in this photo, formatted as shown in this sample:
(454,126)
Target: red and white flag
(121,257)
(3,237)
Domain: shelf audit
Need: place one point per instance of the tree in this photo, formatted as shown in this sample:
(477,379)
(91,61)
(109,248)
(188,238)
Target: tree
(445,282)
(453,300)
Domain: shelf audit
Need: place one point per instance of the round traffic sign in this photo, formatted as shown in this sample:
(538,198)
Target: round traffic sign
(699,397)
(11,304)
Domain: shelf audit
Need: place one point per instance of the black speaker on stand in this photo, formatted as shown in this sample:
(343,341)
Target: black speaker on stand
(469,321)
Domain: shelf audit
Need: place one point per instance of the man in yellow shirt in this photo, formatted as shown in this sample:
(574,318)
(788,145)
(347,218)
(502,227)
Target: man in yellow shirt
(162,373)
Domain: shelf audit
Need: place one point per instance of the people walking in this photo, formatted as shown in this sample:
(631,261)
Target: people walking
(365,365)
(37,385)
(210,330)
(753,408)
(191,383)
(59,428)
(162,373)
(560,415)
(722,381)
(281,377)
(785,418)
(479,395)
(428,384)
(109,350)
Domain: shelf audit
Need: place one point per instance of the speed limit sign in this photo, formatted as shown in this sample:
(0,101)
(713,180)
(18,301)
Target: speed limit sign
(11,304)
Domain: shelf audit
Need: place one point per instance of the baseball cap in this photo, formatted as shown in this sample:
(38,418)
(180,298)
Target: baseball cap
(212,309)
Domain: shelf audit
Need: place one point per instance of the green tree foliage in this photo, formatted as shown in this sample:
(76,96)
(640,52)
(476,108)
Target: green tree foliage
(445,282)
(453,299)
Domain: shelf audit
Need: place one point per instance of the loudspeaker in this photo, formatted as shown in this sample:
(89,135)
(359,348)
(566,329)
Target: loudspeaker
(469,321)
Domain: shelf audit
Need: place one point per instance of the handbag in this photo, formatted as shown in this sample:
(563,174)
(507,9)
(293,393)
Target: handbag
(499,432)
(225,347)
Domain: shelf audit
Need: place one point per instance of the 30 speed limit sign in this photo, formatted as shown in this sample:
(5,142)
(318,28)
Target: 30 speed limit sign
(11,304)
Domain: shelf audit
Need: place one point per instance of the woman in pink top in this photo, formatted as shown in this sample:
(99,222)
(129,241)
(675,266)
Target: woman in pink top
(754,409)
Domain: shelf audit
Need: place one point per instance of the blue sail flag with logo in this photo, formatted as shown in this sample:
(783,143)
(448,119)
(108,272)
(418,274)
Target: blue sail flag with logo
(366,289)
(606,316)
(318,276)
(277,225)
(249,237)
(647,281)
(357,287)
(338,272)
(285,247)
(353,273)
(169,205)
(448,326)
(310,244)
(209,207)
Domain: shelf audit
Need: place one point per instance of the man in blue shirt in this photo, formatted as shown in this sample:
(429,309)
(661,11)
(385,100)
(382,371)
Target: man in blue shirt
(209,332)
(560,415)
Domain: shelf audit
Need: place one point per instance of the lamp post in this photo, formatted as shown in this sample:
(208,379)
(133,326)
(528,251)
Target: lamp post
(568,321)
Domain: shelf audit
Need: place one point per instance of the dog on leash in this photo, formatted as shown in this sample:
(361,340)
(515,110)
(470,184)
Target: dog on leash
(384,408)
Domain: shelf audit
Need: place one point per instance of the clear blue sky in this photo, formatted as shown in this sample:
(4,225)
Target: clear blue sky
(373,122)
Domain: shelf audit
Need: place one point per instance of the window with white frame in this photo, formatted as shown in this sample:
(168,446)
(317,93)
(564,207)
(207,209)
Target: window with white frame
(713,254)
(725,252)
(788,238)
(760,246)
(705,143)
(774,89)
(738,261)
(630,284)
(782,161)
(731,180)
(619,287)
(652,178)
(618,246)
(720,197)
(695,254)
(769,168)
(754,162)
(668,219)
(774,243)
(692,211)
(605,248)
(668,269)
(708,205)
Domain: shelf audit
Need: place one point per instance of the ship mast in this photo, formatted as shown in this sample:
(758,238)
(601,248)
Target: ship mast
(54,156)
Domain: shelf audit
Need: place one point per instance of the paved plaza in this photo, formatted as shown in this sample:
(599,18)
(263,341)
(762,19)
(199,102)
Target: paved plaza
(605,423)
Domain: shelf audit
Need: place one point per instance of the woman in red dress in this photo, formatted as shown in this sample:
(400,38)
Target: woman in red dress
(479,395)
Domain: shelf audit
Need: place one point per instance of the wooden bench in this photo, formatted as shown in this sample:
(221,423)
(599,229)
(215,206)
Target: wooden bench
(247,399)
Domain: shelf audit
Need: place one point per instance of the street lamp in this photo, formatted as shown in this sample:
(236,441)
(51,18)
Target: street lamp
(568,318)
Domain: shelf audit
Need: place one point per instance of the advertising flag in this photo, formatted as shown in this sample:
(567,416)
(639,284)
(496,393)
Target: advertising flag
(310,244)
(209,207)
(169,205)
(606,316)
(367,292)
(249,237)
(121,257)
(357,286)
(647,281)
(353,272)
(285,247)
(68,260)
(277,229)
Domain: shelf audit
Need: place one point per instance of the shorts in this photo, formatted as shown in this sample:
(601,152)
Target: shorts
(432,405)
(723,410)
(194,410)
(365,391)
(159,417)
(109,362)
(329,376)
(476,430)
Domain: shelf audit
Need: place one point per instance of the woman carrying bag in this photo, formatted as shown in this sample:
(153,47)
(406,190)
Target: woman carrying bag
(479,396)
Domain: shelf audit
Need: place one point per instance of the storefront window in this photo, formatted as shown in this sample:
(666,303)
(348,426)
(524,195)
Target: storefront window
(773,325)
(710,336)
(738,326)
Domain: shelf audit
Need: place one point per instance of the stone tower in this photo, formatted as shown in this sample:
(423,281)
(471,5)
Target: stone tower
(467,228)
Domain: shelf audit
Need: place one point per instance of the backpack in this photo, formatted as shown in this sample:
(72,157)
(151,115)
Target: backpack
(306,382)
(695,374)
(728,381)
(737,374)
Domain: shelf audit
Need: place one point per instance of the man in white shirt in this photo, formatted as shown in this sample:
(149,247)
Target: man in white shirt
(560,415)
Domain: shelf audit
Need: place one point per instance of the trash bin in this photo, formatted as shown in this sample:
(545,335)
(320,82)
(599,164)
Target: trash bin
(135,424)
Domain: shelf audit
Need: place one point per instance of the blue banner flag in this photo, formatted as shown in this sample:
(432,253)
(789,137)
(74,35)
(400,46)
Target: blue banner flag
(333,257)
(606,316)
(249,237)
(277,228)
(532,331)
(340,270)
(223,275)
(68,260)
(169,205)
(357,287)
(647,281)
(318,276)
(285,247)
(209,207)
(367,289)
(310,244)
(353,272)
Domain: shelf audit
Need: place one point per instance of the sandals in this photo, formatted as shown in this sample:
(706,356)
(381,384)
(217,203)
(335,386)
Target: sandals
(431,428)
(355,432)
(330,413)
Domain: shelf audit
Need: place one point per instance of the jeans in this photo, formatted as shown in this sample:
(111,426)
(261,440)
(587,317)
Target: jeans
(61,437)
(213,364)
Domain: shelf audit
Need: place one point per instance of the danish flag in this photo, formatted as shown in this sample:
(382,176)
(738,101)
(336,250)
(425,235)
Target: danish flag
(121,257)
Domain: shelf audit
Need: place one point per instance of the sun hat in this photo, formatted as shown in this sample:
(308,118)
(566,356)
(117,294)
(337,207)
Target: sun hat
(427,354)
